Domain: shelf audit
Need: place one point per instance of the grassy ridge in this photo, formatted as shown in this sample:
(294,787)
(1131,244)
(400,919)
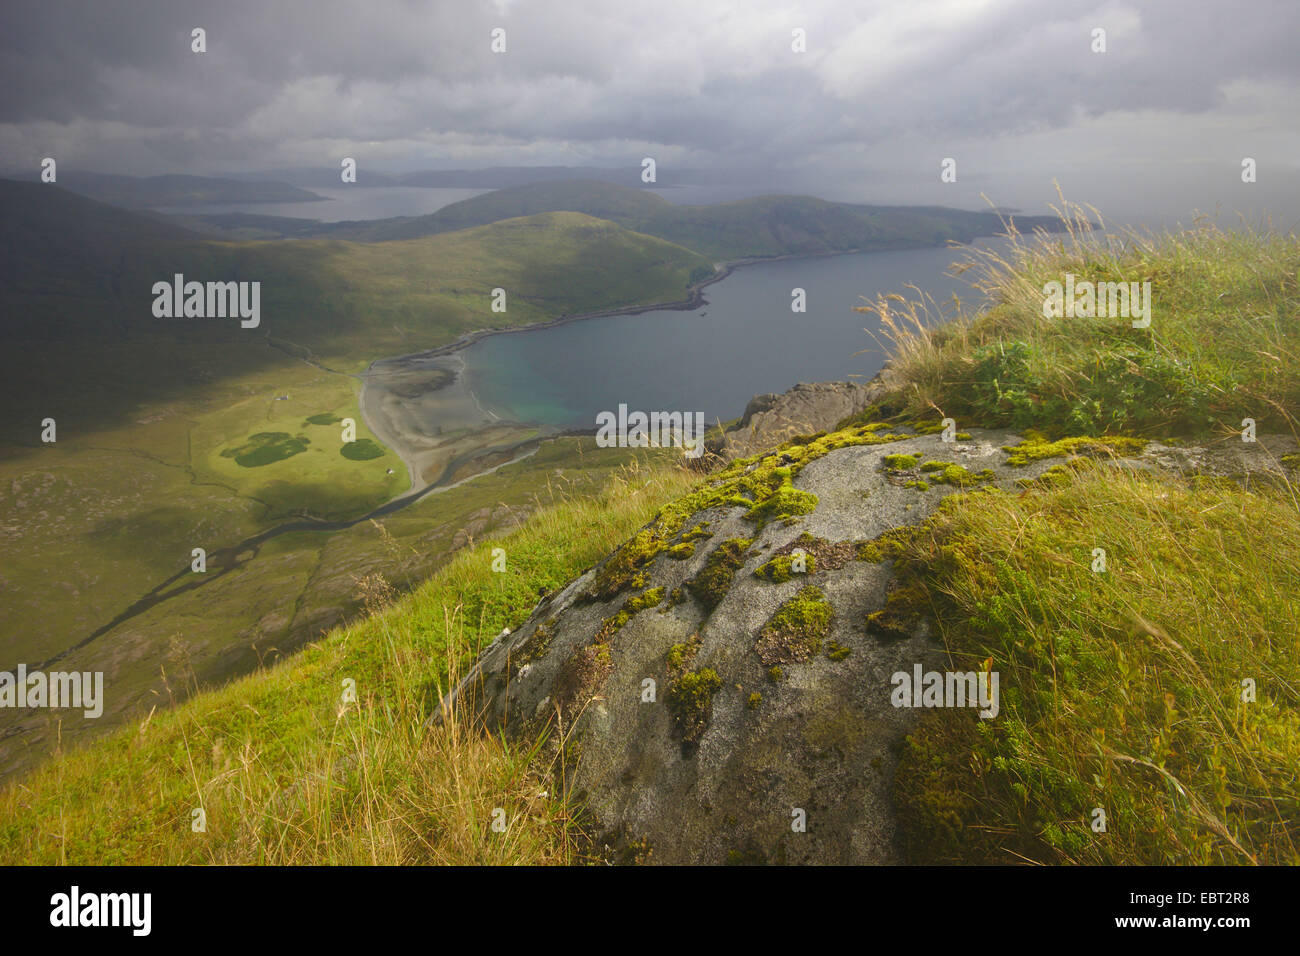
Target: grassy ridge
(1224,340)
(761,226)
(1123,691)
(287,773)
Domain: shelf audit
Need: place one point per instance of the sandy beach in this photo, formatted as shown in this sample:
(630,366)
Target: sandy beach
(422,407)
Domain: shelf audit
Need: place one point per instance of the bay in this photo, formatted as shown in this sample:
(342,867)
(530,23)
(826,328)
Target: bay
(743,342)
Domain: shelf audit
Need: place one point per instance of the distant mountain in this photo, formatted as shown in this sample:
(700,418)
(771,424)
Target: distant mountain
(315,177)
(78,338)
(72,267)
(764,226)
(136,192)
(37,214)
(63,254)
(493,177)
(248,225)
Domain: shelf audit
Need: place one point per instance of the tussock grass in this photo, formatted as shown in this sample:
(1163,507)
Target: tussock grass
(1223,344)
(286,772)
(1121,690)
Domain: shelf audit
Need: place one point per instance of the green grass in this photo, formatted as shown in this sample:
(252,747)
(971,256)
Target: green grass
(1223,345)
(1120,690)
(124,505)
(288,773)
(1123,689)
(307,467)
(267,608)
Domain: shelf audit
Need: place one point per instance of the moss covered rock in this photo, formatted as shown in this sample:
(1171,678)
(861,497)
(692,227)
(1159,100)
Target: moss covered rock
(706,688)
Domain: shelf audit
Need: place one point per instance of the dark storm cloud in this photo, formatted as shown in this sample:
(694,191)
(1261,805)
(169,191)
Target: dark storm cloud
(114,85)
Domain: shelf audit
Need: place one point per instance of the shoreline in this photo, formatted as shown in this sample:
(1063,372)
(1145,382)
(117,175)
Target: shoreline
(400,449)
(693,301)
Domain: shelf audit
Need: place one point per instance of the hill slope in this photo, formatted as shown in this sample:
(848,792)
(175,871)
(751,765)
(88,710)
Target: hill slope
(776,684)
(144,192)
(76,270)
(162,425)
(760,227)
(1122,688)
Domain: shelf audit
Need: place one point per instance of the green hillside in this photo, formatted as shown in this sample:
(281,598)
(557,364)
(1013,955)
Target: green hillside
(177,433)
(1123,688)
(759,227)
(81,273)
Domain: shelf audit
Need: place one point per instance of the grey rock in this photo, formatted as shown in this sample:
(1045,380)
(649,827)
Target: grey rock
(803,410)
(823,739)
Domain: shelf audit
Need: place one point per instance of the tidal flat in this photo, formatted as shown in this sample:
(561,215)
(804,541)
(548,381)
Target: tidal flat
(423,407)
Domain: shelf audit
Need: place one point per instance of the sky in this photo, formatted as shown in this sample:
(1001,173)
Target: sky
(1156,126)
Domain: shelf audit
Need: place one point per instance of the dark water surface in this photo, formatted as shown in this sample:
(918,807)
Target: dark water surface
(743,342)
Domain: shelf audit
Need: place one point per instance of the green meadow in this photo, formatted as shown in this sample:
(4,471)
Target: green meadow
(287,774)
(269,447)
(255,608)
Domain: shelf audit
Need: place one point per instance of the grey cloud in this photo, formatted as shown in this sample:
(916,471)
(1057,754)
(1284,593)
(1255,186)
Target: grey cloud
(115,86)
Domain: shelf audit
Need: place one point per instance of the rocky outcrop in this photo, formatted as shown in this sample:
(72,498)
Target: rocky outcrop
(721,684)
(712,711)
(803,410)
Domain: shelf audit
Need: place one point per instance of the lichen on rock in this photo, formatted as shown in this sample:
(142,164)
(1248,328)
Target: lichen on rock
(690,700)
(1036,447)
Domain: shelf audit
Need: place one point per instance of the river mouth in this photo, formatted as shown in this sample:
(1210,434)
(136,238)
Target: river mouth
(423,406)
